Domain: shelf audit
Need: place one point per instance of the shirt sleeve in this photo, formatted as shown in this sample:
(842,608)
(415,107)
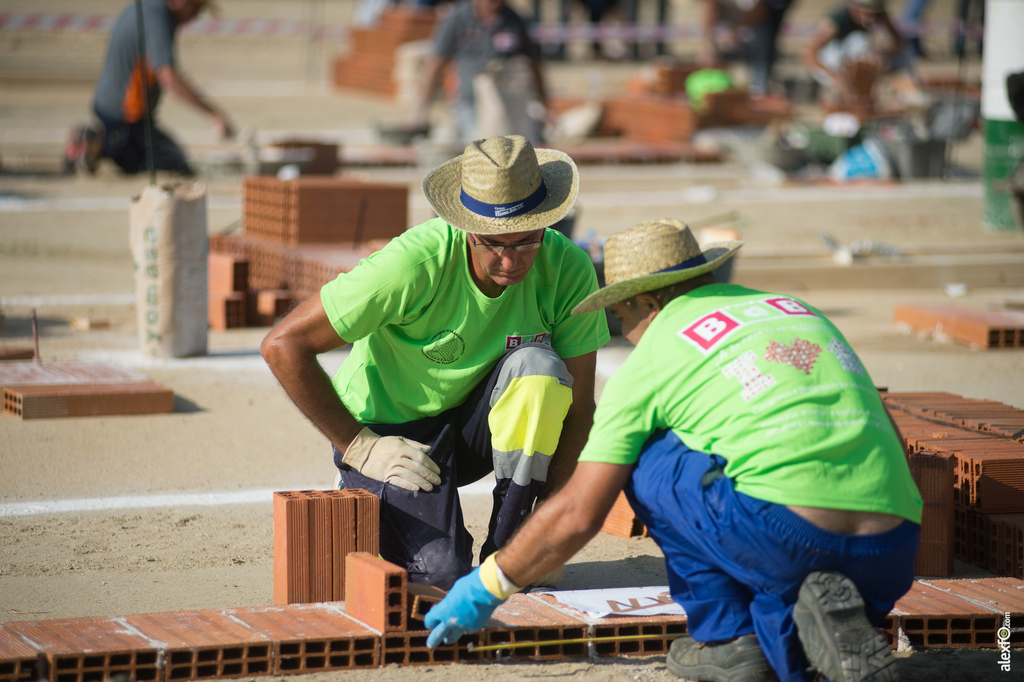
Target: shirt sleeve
(627,413)
(381,290)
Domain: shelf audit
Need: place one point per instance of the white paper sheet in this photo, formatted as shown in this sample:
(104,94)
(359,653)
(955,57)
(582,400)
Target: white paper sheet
(621,601)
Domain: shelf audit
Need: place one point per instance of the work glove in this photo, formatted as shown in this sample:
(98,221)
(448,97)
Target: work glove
(392,459)
(469,604)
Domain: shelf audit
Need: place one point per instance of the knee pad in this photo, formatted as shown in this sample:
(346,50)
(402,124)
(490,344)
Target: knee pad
(529,402)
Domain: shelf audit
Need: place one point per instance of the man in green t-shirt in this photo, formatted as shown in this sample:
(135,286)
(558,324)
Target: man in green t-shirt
(752,443)
(465,357)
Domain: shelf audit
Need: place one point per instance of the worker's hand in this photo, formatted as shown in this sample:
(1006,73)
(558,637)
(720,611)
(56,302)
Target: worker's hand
(222,126)
(392,459)
(469,604)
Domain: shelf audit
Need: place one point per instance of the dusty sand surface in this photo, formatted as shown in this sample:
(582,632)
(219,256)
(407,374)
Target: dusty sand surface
(64,253)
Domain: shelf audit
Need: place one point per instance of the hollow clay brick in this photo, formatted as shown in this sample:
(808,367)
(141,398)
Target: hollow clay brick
(226,274)
(205,644)
(958,614)
(291,548)
(410,648)
(85,649)
(87,400)
(933,473)
(622,521)
(343,513)
(311,637)
(19,662)
(226,310)
(375,592)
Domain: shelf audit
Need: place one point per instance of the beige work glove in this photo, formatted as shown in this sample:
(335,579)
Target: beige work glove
(392,459)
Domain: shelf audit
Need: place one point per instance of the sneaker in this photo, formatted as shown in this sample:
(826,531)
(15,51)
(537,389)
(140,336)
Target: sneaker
(835,633)
(737,661)
(82,150)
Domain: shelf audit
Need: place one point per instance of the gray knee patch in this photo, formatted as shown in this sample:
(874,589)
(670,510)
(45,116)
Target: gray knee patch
(533,360)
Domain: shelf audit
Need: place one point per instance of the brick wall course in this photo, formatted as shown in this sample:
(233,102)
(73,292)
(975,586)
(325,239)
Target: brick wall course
(312,637)
(86,649)
(19,662)
(205,645)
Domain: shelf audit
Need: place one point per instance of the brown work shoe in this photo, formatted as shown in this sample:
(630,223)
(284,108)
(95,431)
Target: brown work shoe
(82,150)
(740,660)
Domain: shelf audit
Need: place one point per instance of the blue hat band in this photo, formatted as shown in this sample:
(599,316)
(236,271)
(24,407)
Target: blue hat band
(699,259)
(505,210)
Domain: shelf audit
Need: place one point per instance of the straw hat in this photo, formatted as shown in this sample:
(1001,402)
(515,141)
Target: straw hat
(652,255)
(502,185)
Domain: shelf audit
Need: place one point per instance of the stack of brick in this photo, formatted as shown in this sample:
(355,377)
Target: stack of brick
(297,235)
(370,64)
(314,532)
(967,457)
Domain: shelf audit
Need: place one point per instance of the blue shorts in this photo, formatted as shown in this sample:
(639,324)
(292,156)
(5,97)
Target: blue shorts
(736,563)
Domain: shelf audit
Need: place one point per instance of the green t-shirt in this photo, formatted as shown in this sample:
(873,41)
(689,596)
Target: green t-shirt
(768,383)
(424,335)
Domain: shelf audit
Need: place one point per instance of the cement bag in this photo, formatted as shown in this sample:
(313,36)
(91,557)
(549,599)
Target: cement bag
(169,245)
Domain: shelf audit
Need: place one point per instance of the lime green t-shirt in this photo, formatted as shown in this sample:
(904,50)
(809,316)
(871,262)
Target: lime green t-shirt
(424,335)
(768,383)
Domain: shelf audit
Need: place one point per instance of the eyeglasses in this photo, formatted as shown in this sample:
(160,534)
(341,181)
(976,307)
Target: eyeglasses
(499,248)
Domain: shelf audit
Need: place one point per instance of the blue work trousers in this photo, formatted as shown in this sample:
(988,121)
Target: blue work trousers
(736,563)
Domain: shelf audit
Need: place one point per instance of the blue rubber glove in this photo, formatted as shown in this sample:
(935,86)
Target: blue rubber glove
(466,609)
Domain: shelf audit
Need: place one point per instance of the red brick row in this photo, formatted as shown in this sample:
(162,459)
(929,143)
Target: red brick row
(976,328)
(958,614)
(314,531)
(989,416)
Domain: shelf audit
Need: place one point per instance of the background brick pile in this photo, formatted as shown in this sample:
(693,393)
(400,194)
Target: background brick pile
(296,236)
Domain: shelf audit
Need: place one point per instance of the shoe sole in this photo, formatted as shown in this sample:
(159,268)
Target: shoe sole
(835,633)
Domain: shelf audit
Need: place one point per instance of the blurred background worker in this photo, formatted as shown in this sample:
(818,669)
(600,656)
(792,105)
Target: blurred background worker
(499,73)
(859,35)
(747,30)
(120,99)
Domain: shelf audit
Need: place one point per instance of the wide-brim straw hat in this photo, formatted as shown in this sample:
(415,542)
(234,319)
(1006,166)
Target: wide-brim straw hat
(502,185)
(652,255)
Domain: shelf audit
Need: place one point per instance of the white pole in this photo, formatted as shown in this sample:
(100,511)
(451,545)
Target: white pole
(1004,134)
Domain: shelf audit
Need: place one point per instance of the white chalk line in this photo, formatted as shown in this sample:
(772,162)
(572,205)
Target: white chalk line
(262,496)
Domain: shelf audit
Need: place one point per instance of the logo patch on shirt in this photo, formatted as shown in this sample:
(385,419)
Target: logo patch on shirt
(789,306)
(744,369)
(848,360)
(708,331)
(516,341)
(802,354)
(445,347)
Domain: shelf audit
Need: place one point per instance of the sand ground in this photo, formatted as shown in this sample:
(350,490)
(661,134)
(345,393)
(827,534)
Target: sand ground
(64,253)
